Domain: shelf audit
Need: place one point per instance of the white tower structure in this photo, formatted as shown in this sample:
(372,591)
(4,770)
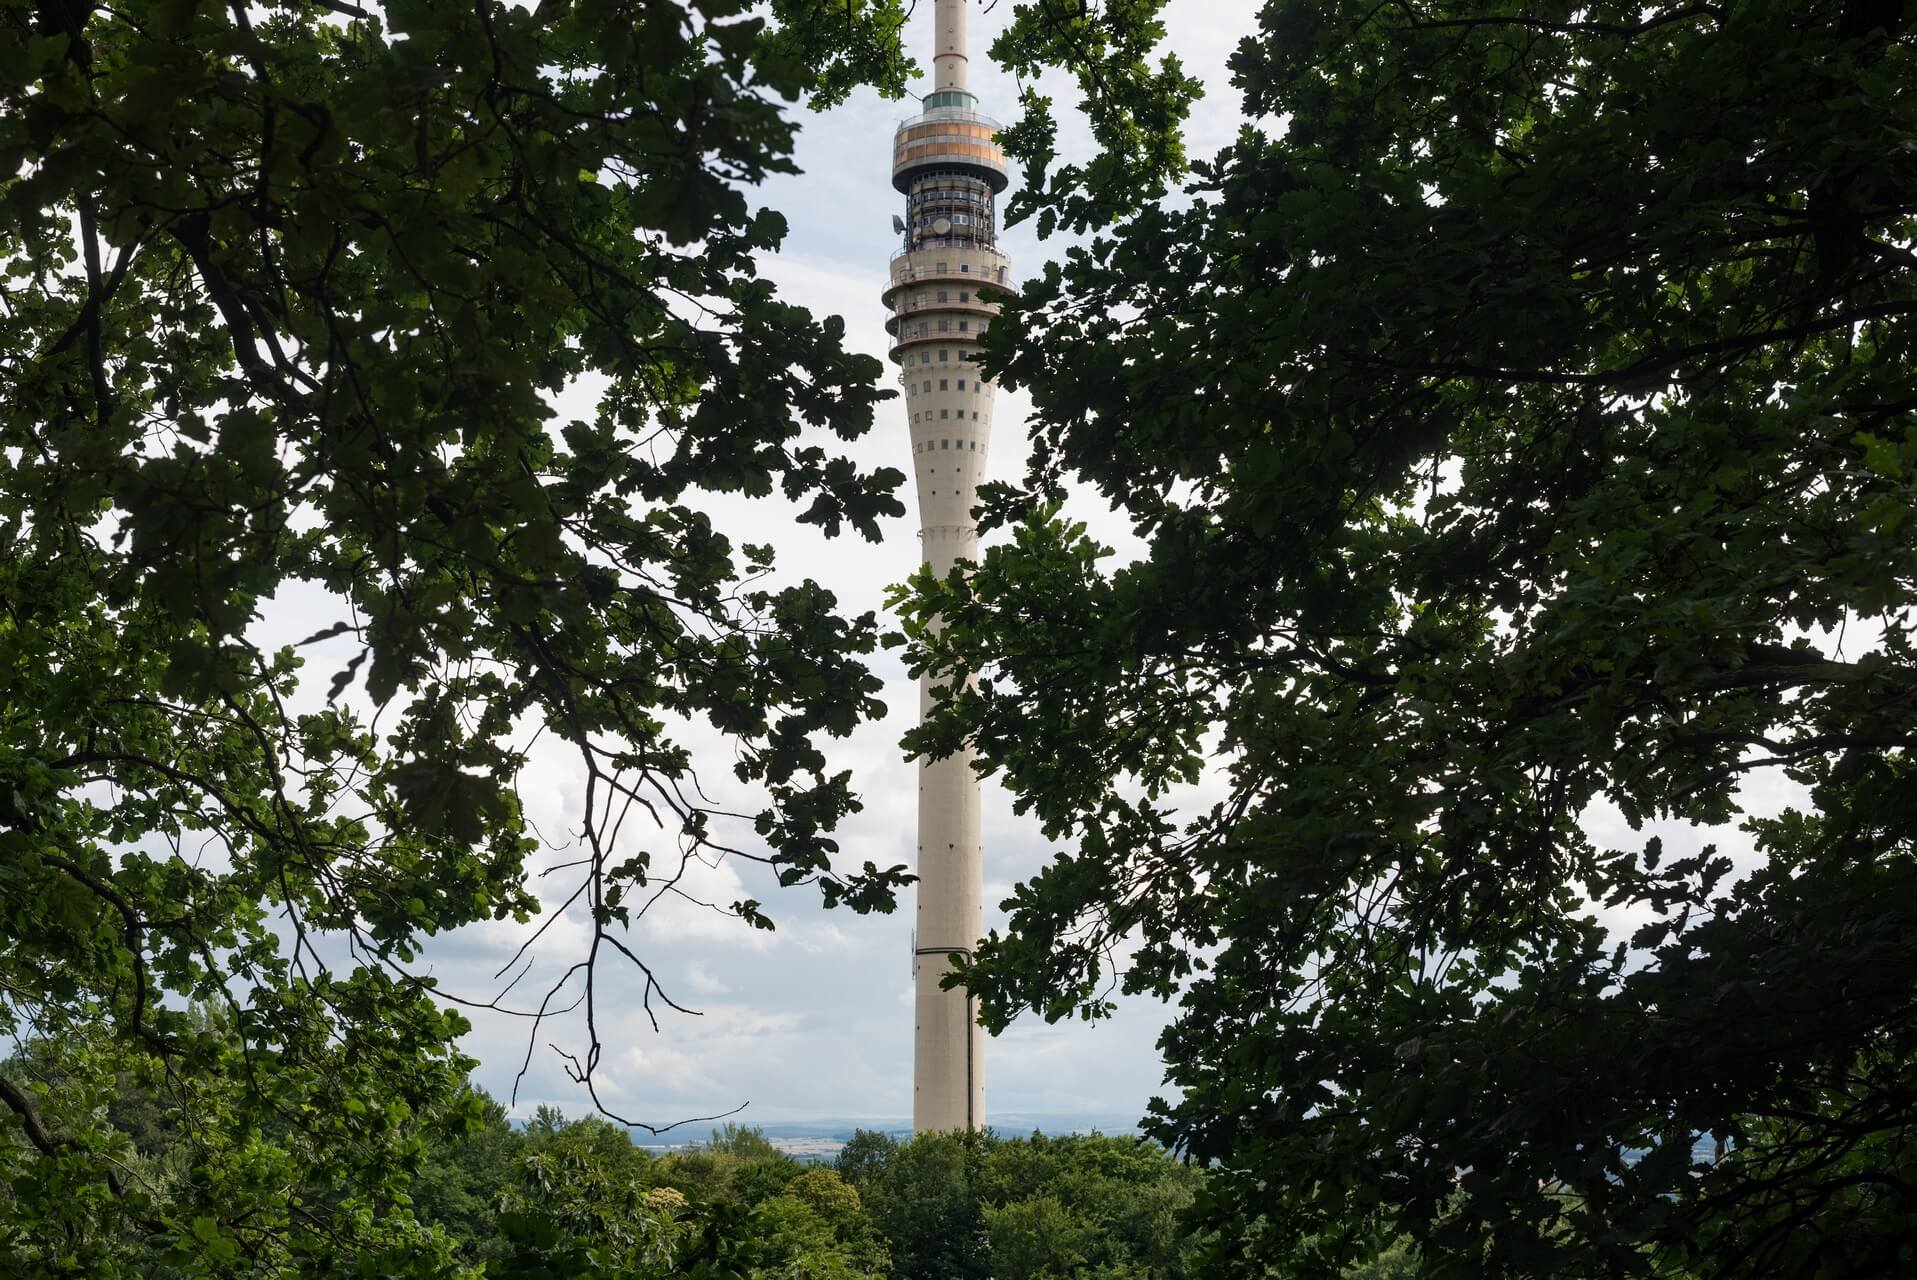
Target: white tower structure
(947,164)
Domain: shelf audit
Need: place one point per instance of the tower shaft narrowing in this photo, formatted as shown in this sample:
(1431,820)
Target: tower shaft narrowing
(947,164)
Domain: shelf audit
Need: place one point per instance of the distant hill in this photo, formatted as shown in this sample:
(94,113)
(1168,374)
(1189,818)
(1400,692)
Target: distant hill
(821,1139)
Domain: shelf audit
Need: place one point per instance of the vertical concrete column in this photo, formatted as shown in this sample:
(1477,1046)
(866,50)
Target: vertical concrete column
(948,1087)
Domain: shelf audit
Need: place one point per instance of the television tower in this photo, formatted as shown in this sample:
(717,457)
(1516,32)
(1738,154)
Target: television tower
(947,164)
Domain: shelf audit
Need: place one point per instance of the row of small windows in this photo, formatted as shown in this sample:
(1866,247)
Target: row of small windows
(965,269)
(920,299)
(977,385)
(958,219)
(945,269)
(926,446)
(945,326)
(949,189)
(948,178)
(946,413)
(925,357)
(947,199)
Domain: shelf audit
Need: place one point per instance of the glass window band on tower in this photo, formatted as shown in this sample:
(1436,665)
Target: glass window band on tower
(951,138)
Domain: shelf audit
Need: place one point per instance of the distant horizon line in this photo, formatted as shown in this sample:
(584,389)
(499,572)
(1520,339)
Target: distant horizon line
(698,1131)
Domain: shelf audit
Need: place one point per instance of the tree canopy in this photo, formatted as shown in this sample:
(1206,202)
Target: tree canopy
(290,292)
(558,1198)
(1518,417)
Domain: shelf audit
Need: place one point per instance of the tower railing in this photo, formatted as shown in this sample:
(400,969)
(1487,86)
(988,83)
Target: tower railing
(957,115)
(975,306)
(949,242)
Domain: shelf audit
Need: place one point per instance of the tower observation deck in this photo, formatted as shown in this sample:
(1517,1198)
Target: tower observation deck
(947,164)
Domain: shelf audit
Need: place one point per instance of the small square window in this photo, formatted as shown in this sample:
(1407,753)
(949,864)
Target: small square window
(942,384)
(945,444)
(963,325)
(945,413)
(961,383)
(943,268)
(966,268)
(925,357)
(945,326)
(965,295)
(974,446)
(944,356)
(941,295)
(975,415)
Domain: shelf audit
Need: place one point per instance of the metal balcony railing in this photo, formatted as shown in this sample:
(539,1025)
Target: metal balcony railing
(949,115)
(953,243)
(906,306)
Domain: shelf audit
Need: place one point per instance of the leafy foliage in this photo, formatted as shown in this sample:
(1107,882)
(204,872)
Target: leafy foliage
(291,289)
(1134,109)
(958,1205)
(1519,417)
(563,1199)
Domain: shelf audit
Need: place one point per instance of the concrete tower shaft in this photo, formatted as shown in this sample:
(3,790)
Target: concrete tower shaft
(947,164)
(948,64)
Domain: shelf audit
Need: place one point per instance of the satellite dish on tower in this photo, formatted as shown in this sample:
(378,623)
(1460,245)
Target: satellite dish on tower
(898,225)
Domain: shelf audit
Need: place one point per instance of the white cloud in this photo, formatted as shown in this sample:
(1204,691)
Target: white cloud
(700,907)
(699,979)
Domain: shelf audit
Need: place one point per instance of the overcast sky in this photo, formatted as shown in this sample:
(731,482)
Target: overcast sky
(814,1020)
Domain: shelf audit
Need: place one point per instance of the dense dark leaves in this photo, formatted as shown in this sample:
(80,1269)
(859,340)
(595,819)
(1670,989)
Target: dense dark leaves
(1134,109)
(1519,417)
